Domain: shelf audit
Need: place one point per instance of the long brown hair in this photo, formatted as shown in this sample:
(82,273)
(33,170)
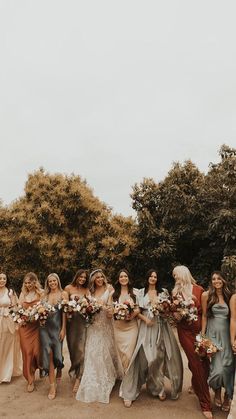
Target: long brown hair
(147,276)
(212,295)
(118,286)
(77,275)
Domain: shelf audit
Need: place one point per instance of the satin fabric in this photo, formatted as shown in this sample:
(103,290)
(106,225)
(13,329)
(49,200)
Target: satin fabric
(10,359)
(29,341)
(199,367)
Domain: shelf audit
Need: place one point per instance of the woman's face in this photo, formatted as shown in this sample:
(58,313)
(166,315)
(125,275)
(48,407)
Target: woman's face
(80,281)
(29,285)
(152,280)
(3,280)
(217,282)
(52,283)
(123,278)
(175,276)
(99,279)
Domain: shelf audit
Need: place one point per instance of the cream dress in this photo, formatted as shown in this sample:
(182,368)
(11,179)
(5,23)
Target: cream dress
(101,367)
(10,359)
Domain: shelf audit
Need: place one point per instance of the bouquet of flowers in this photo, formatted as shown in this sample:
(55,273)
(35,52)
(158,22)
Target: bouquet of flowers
(122,311)
(87,308)
(21,315)
(162,305)
(70,307)
(42,311)
(185,309)
(205,347)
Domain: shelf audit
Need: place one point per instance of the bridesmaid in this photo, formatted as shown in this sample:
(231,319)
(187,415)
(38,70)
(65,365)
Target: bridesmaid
(76,327)
(126,333)
(53,333)
(215,324)
(232,414)
(10,360)
(157,352)
(186,286)
(29,335)
(101,362)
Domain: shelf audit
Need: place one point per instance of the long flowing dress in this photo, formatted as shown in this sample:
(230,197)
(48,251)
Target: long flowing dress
(126,333)
(222,363)
(10,355)
(76,332)
(29,342)
(101,363)
(199,367)
(156,356)
(49,341)
(232,413)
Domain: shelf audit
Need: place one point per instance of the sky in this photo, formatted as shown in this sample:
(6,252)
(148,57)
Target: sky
(114,91)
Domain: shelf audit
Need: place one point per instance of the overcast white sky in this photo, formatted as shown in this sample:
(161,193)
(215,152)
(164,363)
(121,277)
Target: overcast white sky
(114,90)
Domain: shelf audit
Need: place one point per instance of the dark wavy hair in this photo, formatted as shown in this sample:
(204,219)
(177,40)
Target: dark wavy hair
(117,286)
(77,275)
(212,295)
(146,284)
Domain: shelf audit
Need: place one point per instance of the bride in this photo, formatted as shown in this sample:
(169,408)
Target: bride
(101,362)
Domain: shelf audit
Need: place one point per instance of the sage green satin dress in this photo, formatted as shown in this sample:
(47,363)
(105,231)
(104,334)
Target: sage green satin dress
(156,356)
(222,363)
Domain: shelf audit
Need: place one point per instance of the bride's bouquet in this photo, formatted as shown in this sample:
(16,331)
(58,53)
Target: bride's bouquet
(205,347)
(86,306)
(122,311)
(185,310)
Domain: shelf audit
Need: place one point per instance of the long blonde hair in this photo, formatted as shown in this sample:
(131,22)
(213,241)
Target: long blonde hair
(92,278)
(46,286)
(183,282)
(32,277)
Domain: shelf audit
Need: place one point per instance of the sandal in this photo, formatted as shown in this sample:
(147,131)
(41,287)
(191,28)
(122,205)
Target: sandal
(30,387)
(207,414)
(52,392)
(162,396)
(127,403)
(226,405)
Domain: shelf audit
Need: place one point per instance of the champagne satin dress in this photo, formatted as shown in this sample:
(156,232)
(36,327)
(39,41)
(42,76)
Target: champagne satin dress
(10,355)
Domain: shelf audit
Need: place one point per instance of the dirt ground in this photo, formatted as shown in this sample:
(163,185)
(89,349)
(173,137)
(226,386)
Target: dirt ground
(16,403)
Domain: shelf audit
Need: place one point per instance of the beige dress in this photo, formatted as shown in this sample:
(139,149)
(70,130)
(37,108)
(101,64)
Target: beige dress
(10,354)
(126,333)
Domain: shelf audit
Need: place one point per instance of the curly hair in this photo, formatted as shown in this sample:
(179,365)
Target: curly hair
(183,282)
(32,277)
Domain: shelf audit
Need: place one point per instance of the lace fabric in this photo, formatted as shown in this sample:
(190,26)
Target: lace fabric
(101,362)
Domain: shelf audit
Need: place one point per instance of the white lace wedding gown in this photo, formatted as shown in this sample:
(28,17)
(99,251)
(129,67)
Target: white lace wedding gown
(101,361)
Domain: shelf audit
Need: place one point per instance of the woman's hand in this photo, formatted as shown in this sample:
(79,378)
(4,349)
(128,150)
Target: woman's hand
(62,334)
(149,322)
(233,344)
(177,316)
(110,289)
(109,310)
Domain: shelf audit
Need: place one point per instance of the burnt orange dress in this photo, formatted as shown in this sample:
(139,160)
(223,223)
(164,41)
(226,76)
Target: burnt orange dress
(29,341)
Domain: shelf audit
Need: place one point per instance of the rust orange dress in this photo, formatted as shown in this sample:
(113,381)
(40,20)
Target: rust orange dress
(29,341)
(199,367)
